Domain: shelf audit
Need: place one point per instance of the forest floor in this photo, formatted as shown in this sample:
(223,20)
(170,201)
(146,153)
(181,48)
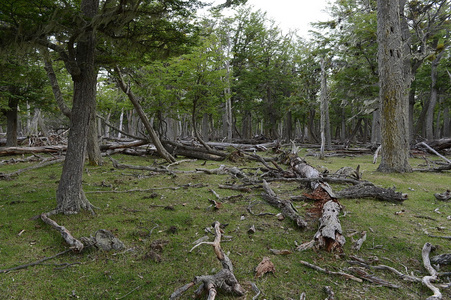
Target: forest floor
(159,216)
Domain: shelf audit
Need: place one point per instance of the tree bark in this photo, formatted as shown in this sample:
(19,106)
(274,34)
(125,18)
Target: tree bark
(393,92)
(11,122)
(70,196)
(429,122)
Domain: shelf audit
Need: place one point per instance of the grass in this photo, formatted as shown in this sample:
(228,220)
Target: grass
(396,234)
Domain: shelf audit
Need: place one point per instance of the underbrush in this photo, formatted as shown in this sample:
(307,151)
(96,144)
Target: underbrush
(159,216)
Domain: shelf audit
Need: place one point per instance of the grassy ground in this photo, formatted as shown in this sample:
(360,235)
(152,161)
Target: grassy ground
(160,226)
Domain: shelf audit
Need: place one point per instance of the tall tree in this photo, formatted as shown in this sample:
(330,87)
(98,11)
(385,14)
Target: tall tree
(71,29)
(393,89)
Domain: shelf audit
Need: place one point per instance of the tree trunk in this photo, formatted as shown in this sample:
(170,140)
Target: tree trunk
(446,123)
(433,99)
(93,147)
(11,122)
(70,196)
(393,92)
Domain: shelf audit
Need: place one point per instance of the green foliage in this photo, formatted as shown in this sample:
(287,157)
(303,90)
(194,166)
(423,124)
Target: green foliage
(175,218)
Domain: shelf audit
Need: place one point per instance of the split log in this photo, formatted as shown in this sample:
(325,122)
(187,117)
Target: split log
(224,280)
(371,191)
(330,235)
(285,206)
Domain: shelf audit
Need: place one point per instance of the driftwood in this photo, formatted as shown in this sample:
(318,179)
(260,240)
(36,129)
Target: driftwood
(433,273)
(223,280)
(285,206)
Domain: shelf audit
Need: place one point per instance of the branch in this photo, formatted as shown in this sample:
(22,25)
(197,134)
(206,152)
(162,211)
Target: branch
(434,275)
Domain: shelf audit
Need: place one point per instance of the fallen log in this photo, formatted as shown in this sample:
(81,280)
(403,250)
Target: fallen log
(31,150)
(445,196)
(371,191)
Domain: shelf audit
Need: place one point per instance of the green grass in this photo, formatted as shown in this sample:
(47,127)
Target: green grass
(140,218)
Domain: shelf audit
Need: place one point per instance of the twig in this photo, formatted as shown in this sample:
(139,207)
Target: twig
(34,263)
(256,290)
(136,288)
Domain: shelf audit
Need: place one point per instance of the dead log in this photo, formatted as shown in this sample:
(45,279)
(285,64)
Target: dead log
(330,235)
(31,150)
(285,206)
(371,191)
(224,280)
(445,196)
(442,259)
(440,145)
(194,152)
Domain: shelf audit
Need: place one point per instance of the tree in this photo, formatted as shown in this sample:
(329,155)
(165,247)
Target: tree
(71,29)
(22,83)
(393,92)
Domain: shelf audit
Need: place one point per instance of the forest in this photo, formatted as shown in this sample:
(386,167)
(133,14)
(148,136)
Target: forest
(183,95)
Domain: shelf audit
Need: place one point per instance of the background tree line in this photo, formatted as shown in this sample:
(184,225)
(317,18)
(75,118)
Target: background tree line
(245,77)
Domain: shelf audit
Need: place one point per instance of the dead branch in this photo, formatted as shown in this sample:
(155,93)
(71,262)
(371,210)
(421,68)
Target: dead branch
(345,275)
(330,293)
(34,263)
(371,191)
(44,163)
(224,280)
(358,244)
(433,151)
(433,273)
(285,206)
(74,244)
(371,278)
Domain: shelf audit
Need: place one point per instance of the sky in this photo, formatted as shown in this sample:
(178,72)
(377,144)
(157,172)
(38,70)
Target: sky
(291,14)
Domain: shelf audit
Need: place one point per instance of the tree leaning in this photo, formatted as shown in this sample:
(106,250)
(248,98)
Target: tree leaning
(393,88)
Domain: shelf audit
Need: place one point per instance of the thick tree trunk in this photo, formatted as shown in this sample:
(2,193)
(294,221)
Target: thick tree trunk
(429,122)
(11,122)
(70,196)
(393,92)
